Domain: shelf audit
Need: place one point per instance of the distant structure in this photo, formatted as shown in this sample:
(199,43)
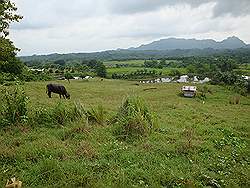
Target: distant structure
(38,70)
(183,78)
(189,91)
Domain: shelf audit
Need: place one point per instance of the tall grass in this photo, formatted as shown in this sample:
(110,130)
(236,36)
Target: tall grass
(96,115)
(14,106)
(60,114)
(134,118)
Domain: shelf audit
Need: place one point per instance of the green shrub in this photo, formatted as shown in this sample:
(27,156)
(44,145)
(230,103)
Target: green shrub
(60,114)
(6,77)
(14,106)
(43,116)
(202,92)
(135,119)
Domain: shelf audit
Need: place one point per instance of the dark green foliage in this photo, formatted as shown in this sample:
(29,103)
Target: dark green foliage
(135,119)
(68,76)
(101,70)
(175,72)
(60,62)
(98,67)
(14,106)
(8,62)
(138,74)
(155,63)
(28,75)
(7,15)
(6,77)
(232,79)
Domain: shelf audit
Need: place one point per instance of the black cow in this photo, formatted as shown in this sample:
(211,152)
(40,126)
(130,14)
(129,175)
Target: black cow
(56,88)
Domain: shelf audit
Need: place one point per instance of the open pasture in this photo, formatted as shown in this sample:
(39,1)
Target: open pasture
(197,143)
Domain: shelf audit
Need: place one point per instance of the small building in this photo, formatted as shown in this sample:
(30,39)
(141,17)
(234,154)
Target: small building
(183,79)
(195,79)
(188,91)
(245,77)
(37,70)
(205,80)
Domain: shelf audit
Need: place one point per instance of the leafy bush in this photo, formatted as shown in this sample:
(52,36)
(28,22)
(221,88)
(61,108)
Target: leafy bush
(202,92)
(28,75)
(14,106)
(135,118)
(6,77)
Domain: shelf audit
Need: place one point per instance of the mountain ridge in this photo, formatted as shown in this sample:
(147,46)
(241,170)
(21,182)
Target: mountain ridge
(133,53)
(182,43)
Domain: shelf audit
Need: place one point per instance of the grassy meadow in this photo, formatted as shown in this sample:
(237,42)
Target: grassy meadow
(127,70)
(131,63)
(197,143)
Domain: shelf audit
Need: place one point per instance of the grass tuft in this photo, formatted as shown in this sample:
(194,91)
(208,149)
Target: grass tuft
(135,118)
(97,115)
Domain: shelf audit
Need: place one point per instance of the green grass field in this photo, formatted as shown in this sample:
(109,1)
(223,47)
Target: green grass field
(131,63)
(244,69)
(127,70)
(128,62)
(197,144)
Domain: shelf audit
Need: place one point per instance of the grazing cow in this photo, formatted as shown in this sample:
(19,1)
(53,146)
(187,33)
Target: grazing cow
(56,88)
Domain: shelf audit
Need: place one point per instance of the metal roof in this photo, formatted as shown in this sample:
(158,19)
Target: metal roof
(188,88)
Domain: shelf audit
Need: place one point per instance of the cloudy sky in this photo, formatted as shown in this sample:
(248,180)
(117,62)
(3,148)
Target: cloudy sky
(65,26)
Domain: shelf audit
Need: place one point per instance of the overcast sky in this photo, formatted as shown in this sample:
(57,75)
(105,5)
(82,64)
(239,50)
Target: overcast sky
(64,26)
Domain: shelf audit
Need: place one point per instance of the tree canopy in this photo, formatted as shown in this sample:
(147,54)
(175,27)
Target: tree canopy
(7,15)
(8,61)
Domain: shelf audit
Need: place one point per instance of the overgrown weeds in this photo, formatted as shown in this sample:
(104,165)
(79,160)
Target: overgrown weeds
(187,145)
(14,106)
(96,115)
(134,118)
(203,91)
(59,115)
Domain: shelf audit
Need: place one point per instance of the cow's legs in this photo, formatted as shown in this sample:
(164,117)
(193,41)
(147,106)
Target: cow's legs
(49,94)
(60,96)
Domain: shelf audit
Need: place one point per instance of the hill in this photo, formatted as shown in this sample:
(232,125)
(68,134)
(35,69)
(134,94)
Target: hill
(138,54)
(165,48)
(179,43)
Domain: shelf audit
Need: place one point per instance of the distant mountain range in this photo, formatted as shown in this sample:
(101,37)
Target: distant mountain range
(164,48)
(179,43)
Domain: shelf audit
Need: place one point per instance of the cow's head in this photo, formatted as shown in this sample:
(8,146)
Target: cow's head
(67,95)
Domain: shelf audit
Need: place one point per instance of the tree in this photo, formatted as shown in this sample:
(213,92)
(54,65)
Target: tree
(60,62)
(8,62)
(68,76)
(101,70)
(7,16)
